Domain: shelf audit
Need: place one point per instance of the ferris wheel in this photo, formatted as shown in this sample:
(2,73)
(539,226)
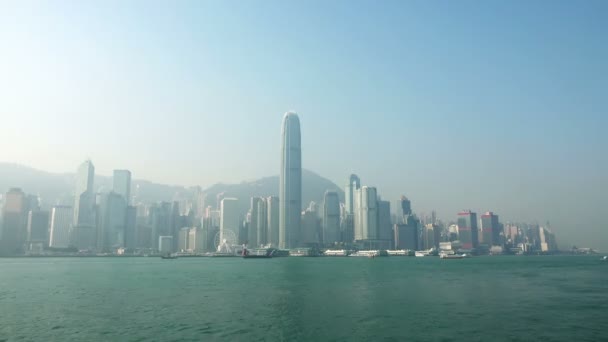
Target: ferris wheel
(229,239)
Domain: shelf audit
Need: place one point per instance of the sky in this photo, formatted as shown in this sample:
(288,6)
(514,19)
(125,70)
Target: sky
(483,105)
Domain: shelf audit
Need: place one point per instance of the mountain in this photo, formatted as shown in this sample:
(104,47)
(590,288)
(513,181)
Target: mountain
(313,189)
(56,188)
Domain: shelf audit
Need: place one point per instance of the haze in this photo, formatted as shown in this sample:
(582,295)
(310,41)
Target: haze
(483,105)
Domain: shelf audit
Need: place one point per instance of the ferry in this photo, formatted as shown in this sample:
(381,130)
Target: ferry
(258,253)
(369,253)
(451,256)
(398,252)
(336,252)
(168,256)
(430,252)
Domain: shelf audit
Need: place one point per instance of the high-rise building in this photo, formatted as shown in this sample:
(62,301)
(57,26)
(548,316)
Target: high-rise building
(354,183)
(230,220)
(490,229)
(406,234)
(14,220)
(385,228)
(37,230)
(467,229)
(122,184)
(61,226)
(197,240)
(366,214)
(262,221)
(84,212)
(430,236)
(253,229)
(272,220)
(406,206)
(184,235)
(112,221)
(131,227)
(311,226)
(290,186)
(165,244)
(331,218)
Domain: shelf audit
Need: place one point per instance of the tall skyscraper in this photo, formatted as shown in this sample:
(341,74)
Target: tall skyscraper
(84,196)
(290,186)
(14,220)
(366,214)
(406,206)
(113,218)
(331,218)
(354,183)
(37,230)
(252,231)
(311,227)
(262,221)
(272,204)
(385,228)
(490,229)
(467,229)
(61,223)
(229,218)
(122,184)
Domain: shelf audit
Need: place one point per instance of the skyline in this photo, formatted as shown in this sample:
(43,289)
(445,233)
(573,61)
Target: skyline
(411,99)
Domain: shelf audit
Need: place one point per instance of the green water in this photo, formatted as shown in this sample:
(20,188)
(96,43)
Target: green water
(550,298)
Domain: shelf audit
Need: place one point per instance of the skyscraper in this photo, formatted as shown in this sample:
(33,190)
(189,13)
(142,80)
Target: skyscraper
(61,223)
(122,184)
(14,219)
(113,218)
(84,198)
(490,230)
(331,218)
(272,204)
(37,229)
(467,229)
(354,183)
(252,232)
(366,214)
(290,186)
(229,218)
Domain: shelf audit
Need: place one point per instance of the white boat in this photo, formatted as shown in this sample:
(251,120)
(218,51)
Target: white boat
(336,252)
(605,258)
(368,253)
(451,256)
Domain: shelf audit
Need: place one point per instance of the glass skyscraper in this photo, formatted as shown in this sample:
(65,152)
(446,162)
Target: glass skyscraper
(290,187)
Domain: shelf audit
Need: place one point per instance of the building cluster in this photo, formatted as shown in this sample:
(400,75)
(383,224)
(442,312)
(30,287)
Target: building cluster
(110,222)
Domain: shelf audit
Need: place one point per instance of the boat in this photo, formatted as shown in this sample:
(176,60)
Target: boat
(451,256)
(258,254)
(168,256)
(605,258)
(368,253)
(336,252)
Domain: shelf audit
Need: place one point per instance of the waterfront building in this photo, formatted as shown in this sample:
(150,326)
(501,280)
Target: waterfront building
(197,240)
(290,182)
(366,214)
(183,236)
(84,211)
(385,227)
(14,221)
(61,226)
(230,220)
(253,224)
(37,230)
(353,184)
(165,244)
(272,220)
(112,220)
(331,218)
(467,229)
(311,226)
(490,229)
(407,234)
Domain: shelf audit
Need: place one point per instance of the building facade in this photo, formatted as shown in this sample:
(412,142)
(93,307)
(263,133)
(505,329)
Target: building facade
(290,182)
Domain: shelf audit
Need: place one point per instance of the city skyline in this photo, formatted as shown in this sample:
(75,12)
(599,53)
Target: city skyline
(459,111)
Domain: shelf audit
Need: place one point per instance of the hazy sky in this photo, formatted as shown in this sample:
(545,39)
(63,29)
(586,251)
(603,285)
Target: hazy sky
(496,105)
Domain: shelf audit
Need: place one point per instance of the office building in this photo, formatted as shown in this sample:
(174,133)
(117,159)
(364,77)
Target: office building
(366,213)
(183,237)
(290,182)
(490,229)
(165,244)
(37,230)
(61,226)
(467,229)
(230,219)
(252,220)
(197,240)
(311,226)
(121,184)
(14,221)
(112,221)
(353,184)
(272,220)
(331,218)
